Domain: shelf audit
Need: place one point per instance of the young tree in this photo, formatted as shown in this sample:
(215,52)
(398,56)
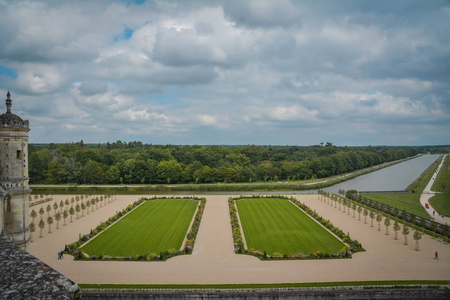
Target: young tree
(61,205)
(33,214)
(57,218)
(92,204)
(433,229)
(396,229)
(340,202)
(387,223)
(67,204)
(349,205)
(96,202)
(379,218)
(354,209)
(71,212)
(48,209)
(101,201)
(77,209)
(365,213)
(344,203)
(72,200)
(41,211)
(359,212)
(32,230)
(372,217)
(50,222)
(83,208)
(65,215)
(405,232)
(55,207)
(41,227)
(417,236)
(88,204)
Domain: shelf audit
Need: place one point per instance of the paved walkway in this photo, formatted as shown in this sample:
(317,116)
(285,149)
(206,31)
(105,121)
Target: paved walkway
(427,194)
(214,261)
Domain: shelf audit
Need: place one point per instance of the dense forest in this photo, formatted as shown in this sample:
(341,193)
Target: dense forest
(135,162)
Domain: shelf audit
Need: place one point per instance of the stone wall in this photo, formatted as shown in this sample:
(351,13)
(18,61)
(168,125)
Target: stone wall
(386,292)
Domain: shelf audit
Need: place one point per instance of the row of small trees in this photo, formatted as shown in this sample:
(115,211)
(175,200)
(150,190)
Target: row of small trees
(343,203)
(65,209)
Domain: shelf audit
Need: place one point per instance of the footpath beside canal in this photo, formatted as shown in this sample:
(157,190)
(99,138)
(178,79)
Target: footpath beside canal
(427,194)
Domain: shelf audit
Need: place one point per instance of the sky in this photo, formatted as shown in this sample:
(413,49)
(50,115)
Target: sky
(229,72)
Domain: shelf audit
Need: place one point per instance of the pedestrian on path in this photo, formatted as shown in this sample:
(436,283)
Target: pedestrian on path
(436,255)
(59,255)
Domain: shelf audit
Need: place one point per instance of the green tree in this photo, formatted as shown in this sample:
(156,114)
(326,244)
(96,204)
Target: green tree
(71,212)
(41,227)
(50,222)
(61,206)
(48,209)
(372,217)
(387,223)
(57,218)
(396,229)
(354,209)
(32,230)
(417,236)
(77,209)
(379,219)
(113,175)
(55,207)
(33,214)
(65,215)
(88,204)
(41,211)
(83,208)
(365,213)
(92,173)
(405,232)
(359,212)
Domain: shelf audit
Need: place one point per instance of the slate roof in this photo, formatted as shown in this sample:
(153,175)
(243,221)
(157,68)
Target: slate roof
(23,276)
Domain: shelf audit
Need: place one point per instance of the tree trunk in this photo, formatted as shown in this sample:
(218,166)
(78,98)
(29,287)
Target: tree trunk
(359,217)
(57,225)
(417,245)
(40,233)
(64,221)
(71,219)
(387,230)
(31,237)
(396,236)
(49,228)
(406,240)
(365,219)
(371,223)
(379,228)
(353,213)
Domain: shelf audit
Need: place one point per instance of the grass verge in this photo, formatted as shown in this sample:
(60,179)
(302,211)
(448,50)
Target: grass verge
(265,286)
(404,201)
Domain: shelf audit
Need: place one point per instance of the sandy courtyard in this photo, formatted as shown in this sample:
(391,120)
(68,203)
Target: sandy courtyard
(214,260)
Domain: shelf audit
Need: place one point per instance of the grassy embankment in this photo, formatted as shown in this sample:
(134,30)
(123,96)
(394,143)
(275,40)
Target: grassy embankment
(398,283)
(409,201)
(212,187)
(276,225)
(441,202)
(155,226)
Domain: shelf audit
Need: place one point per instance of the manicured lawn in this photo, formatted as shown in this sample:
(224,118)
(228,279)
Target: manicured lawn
(408,201)
(276,225)
(154,226)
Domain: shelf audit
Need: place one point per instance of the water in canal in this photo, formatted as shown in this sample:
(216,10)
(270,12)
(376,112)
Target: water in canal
(393,178)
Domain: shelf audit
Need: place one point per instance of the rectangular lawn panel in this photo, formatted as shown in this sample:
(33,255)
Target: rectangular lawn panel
(277,225)
(154,226)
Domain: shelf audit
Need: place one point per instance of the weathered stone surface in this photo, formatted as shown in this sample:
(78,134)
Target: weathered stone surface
(22,276)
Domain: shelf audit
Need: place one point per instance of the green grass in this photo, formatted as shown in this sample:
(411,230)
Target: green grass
(155,226)
(265,286)
(403,201)
(441,184)
(276,225)
(441,203)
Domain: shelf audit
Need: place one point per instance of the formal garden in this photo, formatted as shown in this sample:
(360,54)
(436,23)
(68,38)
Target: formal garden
(277,227)
(149,229)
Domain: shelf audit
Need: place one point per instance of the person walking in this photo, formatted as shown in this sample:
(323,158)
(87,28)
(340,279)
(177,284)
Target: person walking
(436,255)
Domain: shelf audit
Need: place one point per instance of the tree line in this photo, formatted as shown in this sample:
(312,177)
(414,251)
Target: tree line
(138,163)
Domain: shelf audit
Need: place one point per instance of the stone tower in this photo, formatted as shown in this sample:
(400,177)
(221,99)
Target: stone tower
(14,189)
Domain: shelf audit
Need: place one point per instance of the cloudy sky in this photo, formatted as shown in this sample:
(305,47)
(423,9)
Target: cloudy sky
(229,72)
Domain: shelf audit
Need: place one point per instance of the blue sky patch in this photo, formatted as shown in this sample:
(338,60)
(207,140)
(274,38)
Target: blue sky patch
(8,72)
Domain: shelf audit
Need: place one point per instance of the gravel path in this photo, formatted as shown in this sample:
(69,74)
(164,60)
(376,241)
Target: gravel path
(214,261)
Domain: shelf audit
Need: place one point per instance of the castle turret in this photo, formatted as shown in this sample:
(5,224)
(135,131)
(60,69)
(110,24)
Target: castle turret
(14,189)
